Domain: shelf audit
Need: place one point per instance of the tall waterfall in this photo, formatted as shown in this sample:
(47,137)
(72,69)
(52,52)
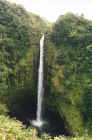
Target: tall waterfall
(39,122)
(40,82)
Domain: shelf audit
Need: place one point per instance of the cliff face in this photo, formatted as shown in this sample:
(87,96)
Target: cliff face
(67,69)
(71,82)
(20,34)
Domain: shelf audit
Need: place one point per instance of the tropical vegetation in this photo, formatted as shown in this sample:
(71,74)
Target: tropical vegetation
(67,72)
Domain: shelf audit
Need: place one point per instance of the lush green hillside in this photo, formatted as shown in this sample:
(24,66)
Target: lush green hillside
(20,32)
(67,71)
(72,36)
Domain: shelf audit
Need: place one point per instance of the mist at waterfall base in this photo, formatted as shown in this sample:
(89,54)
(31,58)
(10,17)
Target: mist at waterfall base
(39,122)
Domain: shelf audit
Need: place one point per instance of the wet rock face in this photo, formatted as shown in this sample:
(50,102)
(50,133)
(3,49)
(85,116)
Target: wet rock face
(55,124)
(25,106)
(25,110)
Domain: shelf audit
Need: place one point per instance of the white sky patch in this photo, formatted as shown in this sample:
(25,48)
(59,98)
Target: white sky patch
(51,9)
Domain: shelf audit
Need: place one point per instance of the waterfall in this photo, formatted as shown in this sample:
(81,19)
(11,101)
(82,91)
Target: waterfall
(39,122)
(40,82)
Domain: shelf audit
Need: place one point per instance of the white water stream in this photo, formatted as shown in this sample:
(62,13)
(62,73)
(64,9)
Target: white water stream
(39,122)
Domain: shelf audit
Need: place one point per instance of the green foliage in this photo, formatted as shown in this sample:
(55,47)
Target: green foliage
(13,129)
(19,41)
(3,109)
(69,69)
(72,36)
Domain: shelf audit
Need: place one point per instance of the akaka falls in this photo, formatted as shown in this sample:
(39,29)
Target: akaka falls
(39,121)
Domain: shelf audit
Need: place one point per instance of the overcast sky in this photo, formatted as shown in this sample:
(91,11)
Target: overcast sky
(51,9)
